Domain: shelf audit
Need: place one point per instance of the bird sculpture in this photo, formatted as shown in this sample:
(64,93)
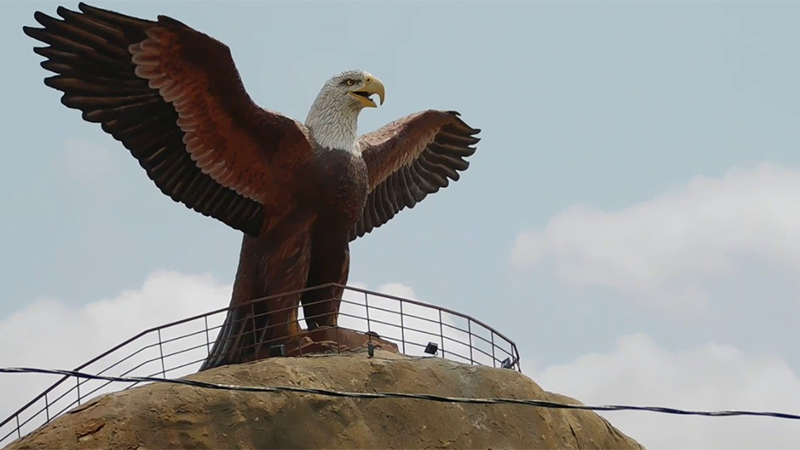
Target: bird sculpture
(299,192)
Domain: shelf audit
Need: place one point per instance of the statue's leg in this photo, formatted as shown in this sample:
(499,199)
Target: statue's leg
(330,263)
(268,266)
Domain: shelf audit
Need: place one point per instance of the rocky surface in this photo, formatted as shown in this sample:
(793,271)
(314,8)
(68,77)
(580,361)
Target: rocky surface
(166,416)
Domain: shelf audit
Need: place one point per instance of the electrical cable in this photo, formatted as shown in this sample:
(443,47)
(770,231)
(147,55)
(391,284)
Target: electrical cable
(398,395)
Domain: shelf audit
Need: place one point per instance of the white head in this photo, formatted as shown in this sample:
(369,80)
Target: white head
(333,117)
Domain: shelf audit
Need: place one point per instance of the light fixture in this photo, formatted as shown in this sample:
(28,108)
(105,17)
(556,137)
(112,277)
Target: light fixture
(277,350)
(431,348)
(508,363)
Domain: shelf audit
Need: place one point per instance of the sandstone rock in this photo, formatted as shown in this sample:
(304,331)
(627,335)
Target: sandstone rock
(166,416)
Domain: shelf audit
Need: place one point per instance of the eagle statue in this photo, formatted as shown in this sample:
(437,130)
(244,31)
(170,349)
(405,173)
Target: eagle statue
(299,192)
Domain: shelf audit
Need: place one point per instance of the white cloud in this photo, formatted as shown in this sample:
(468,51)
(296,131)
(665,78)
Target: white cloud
(712,377)
(659,251)
(51,334)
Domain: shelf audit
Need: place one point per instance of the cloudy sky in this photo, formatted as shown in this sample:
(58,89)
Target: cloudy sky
(631,218)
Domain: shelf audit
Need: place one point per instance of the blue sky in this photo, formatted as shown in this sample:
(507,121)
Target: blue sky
(638,175)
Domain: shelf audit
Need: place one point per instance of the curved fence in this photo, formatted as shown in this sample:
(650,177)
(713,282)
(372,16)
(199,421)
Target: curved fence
(179,348)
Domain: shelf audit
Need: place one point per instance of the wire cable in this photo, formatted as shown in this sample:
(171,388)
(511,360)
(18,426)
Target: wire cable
(398,395)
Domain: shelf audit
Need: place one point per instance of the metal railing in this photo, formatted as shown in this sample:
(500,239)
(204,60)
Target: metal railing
(179,348)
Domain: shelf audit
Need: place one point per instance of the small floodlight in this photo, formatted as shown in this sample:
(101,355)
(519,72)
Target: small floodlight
(370,349)
(507,363)
(312,325)
(277,350)
(431,348)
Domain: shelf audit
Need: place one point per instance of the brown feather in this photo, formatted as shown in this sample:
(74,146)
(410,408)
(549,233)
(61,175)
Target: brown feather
(154,85)
(410,158)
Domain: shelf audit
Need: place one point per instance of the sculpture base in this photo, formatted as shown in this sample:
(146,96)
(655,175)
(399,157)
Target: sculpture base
(328,340)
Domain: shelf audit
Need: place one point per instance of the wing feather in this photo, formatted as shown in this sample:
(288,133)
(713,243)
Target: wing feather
(173,97)
(409,159)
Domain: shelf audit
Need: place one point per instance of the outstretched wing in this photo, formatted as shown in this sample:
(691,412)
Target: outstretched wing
(410,158)
(174,98)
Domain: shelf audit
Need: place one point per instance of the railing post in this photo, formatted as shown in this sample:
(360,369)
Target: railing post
(256,341)
(402,329)
(19,433)
(161,352)
(441,332)
(366,306)
(78,384)
(208,338)
(494,358)
(469,330)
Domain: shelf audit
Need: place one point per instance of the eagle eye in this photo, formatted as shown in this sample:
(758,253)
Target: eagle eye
(349,82)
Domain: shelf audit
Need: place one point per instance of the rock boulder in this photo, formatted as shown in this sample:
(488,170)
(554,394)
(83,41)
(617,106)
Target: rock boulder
(167,416)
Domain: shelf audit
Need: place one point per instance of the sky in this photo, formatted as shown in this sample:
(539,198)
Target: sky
(630,218)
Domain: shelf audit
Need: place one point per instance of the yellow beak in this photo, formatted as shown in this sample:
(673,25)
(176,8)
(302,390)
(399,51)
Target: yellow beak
(373,85)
